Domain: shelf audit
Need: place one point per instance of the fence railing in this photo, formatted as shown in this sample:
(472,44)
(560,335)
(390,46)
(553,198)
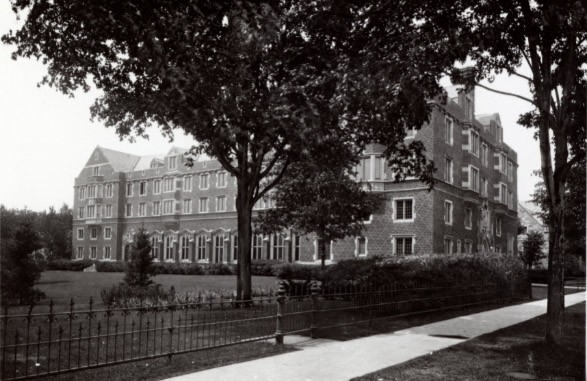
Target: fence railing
(65,339)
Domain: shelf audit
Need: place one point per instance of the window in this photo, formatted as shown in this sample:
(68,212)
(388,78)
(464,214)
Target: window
(221,203)
(448,245)
(448,130)
(80,212)
(257,246)
(168,184)
(93,233)
(503,163)
(107,252)
(82,193)
(469,113)
(448,212)
(474,143)
(204,181)
(187,183)
(499,134)
(80,233)
(128,190)
(448,171)
(296,248)
(468,246)
(203,205)
(109,190)
(404,210)
(510,244)
(172,161)
(510,171)
(142,188)
(142,209)
(484,155)
(278,248)
(107,233)
(80,252)
(360,246)
(185,247)
(186,206)
(168,206)
(484,187)
(503,191)
(91,211)
(157,186)
(154,247)
(235,247)
(93,252)
(221,179)
(510,200)
(98,211)
(379,168)
(96,171)
(156,208)
(201,247)
(498,226)
(403,245)
(474,180)
(128,210)
(91,191)
(168,248)
(218,248)
(468,218)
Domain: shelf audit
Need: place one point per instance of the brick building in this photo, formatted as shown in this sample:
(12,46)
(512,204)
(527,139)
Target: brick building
(190,212)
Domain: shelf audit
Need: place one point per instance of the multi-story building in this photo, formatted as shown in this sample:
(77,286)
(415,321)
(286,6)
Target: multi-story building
(189,212)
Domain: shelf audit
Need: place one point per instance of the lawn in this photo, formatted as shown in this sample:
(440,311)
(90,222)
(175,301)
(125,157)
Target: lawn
(64,285)
(515,351)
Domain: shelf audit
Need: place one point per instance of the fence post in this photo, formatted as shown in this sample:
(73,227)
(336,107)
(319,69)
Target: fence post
(280,302)
(314,323)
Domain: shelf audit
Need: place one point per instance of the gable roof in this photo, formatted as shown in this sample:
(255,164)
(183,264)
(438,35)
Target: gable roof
(120,161)
(485,119)
(144,162)
(528,215)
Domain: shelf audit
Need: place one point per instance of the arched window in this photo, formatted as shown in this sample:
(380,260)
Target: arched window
(278,247)
(168,248)
(201,247)
(219,248)
(185,247)
(154,247)
(257,247)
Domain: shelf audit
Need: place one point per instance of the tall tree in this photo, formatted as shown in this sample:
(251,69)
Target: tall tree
(549,37)
(250,81)
(532,253)
(139,269)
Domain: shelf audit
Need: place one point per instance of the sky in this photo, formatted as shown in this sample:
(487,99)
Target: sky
(47,137)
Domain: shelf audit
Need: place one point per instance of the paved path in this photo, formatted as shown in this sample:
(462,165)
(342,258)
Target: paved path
(341,360)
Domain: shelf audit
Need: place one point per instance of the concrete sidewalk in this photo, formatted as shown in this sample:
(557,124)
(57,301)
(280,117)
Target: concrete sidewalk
(342,360)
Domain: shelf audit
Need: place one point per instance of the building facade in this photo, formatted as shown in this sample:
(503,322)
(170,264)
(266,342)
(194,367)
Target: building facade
(189,212)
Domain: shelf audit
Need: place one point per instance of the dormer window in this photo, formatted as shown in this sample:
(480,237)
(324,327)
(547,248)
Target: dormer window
(96,171)
(172,161)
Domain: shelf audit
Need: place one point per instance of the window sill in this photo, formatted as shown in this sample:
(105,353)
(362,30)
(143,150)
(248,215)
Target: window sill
(404,221)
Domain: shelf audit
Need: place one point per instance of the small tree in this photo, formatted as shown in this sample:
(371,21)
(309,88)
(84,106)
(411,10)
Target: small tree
(321,199)
(532,253)
(140,268)
(20,272)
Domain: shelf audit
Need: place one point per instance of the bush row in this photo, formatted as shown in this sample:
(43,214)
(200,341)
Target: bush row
(438,270)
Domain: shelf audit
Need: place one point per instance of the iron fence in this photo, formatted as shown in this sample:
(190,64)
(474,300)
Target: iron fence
(60,339)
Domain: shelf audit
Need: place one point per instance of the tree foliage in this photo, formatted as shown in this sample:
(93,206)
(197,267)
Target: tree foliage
(20,272)
(532,254)
(139,269)
(251,82)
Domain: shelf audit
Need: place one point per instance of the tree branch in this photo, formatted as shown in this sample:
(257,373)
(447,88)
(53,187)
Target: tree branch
(510,94)
(513,72)
(273,183)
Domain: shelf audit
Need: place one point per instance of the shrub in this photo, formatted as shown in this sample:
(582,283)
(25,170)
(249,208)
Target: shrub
(110,267)
(265,268)
(294,271)
(178,268)
(69,265)
(218,269)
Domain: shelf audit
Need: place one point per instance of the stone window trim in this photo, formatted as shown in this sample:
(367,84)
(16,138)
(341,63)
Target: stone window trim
(221,175)
(315,257)
(498,226)
(449,130)
(394,210)
(468,247)
(109,235)
(80,237)
(451,248)
(187,183)
(166,202)
(129,189)
(93,234)
(204,179)
(166,187)
(357,246)
(79,254)
(203,205)
(109,252)
(468,218)
(221,203)
(143,188)
(448,169)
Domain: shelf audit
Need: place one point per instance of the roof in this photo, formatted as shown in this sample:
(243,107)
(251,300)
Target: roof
(120,161)
(453,91)
(145,161)
(528,214)
(485,119)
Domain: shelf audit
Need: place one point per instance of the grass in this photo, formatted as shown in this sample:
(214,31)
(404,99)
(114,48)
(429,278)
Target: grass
(64,285)
(495,356)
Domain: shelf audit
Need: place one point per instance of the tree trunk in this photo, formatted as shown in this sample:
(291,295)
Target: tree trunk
(244,213)
(556,296)
(322,251)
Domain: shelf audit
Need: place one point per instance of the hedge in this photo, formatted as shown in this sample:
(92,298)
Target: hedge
(69,265)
